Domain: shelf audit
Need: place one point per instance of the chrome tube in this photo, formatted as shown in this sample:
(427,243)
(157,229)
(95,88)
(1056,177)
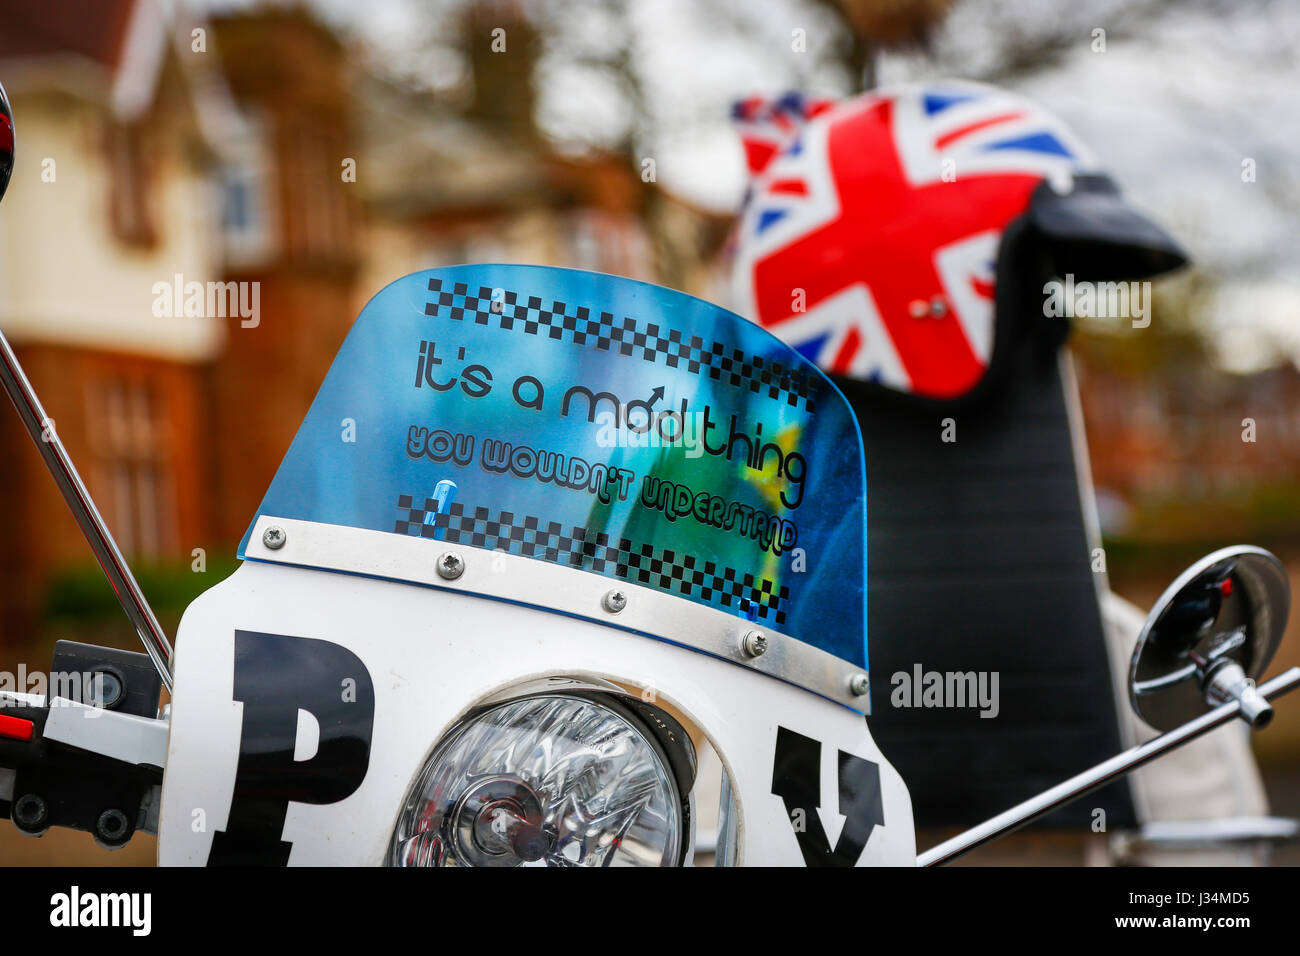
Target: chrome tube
(83,508)
(1098,776)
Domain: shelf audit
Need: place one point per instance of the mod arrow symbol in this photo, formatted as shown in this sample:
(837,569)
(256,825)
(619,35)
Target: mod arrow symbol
(796,779)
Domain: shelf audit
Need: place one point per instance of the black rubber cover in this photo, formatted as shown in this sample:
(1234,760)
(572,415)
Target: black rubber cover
(978,560)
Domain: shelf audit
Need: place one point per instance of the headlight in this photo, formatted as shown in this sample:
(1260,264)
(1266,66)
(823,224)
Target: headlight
(554,781)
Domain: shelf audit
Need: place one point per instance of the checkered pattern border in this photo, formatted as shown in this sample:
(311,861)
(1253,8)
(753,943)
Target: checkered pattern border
(532,537)
(628,336)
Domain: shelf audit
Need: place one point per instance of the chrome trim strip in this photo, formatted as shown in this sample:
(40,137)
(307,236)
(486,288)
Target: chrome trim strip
(550,587)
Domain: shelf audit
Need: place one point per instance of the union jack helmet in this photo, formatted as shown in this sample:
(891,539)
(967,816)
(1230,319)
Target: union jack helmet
(876,232)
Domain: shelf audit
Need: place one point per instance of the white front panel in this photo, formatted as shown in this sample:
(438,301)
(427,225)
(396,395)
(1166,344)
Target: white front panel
(431,655)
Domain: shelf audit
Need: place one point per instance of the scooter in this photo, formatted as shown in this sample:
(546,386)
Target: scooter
(544,538)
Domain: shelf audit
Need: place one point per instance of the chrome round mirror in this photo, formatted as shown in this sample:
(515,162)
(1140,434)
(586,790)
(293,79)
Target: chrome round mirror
(1208,638)
(6,142)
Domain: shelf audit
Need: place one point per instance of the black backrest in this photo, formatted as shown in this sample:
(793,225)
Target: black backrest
(979,560)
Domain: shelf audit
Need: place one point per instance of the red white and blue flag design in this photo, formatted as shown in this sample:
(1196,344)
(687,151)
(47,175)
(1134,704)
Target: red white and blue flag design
(765,124)
(869,238)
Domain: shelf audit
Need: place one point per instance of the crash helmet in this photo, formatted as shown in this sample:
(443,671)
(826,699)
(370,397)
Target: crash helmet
(893,238)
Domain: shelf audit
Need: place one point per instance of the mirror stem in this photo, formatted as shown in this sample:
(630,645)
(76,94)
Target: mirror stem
(1228,682)
(1103,773)
(47,442)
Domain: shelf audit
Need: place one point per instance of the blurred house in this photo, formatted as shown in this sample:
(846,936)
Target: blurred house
(110,195)
(252,154)
(354,181)
(290,229)
(1182,451)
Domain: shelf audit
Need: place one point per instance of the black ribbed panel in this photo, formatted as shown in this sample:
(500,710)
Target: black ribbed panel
(979,561)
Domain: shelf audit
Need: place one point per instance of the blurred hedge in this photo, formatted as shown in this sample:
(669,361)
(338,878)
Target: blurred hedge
(80,597)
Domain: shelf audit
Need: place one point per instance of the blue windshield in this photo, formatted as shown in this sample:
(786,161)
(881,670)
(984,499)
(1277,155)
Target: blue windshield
(599,423)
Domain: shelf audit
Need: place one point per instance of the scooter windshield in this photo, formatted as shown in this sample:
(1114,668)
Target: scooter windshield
(600,423)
